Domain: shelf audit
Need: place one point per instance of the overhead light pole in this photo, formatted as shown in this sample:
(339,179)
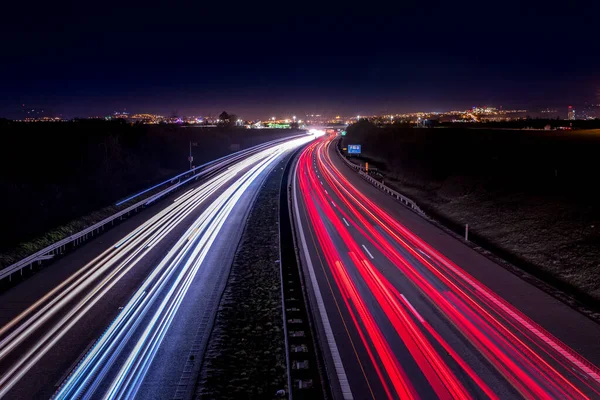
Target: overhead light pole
(190,158)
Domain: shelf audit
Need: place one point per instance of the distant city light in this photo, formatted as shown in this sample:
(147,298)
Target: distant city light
(474,114)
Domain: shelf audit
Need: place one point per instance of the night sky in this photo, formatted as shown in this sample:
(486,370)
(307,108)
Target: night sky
(294,58)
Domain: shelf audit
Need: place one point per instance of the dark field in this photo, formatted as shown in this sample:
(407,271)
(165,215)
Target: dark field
(54,173)
(531,194)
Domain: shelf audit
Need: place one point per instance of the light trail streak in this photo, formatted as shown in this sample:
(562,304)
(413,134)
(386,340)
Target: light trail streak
(134,369)
(530,359)
(37,329)
(209,166)
(482,294)
(369,333)
(444,383)
(180,267)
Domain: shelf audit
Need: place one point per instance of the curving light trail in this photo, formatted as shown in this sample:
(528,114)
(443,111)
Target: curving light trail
(147,316)
(528,361)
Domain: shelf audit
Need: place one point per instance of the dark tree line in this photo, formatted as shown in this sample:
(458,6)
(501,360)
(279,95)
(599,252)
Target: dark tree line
(560,162)
(228,120)
(51,173)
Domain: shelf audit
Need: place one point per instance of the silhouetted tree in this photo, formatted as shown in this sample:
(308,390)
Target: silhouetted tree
(224,118)
(89,164)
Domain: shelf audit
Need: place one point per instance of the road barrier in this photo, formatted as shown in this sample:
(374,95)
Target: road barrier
(60,247)
(361,171)
(306,376)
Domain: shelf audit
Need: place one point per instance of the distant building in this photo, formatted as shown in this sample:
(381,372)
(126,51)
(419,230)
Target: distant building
(316,119)
(571,113)
(118,115)
(548,113)
(146,118)
(33,113)
(590,111)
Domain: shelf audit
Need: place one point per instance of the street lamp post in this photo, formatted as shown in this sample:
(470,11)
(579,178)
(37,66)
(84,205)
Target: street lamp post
(190,158)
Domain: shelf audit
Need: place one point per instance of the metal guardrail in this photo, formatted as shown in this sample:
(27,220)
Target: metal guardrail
(361,171)
(306,379)
(237,155)
(307,375)
(60,247)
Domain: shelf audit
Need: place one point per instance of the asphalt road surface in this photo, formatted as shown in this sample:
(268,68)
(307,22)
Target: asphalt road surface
(405,310)
(127,315)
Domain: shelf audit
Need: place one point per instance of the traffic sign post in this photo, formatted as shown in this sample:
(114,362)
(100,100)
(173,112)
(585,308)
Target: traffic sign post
(354,149)
(190,158)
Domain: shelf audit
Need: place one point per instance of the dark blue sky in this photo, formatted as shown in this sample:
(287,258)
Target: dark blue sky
(81,59)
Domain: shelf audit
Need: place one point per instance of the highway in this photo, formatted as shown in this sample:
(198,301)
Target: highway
(122,316)
(404,310)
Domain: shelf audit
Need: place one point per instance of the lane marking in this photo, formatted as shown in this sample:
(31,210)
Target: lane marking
(346,222)
(368,252)
(333,204)
(425,254)
(412,308)
(326,192)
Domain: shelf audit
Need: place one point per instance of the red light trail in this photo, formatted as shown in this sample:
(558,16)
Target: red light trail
(525,357)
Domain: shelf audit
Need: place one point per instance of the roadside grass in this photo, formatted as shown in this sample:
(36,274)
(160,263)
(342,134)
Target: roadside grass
(165,143)
(555,236)
(25,249)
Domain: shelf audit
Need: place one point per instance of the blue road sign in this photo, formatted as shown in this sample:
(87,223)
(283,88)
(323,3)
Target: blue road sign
(354,149)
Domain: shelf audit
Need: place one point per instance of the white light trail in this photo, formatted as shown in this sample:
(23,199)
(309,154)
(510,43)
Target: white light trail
(176,278)
(51,317)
